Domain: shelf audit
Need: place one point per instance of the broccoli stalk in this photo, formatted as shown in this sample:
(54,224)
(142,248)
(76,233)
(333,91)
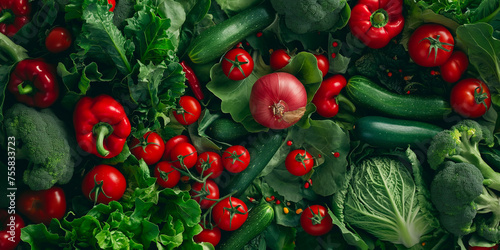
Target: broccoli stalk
(488,227)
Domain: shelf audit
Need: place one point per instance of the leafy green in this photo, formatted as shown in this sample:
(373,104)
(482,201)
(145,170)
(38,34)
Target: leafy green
(233,6)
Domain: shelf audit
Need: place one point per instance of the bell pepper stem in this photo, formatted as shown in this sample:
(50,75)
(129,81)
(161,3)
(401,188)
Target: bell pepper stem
(5,16)
(102,130)
(347,103)
(25,90)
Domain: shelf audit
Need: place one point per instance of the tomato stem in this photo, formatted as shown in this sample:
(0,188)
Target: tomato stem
(97,189)
(436,45)
(480,96)
(316,218)
(237,64)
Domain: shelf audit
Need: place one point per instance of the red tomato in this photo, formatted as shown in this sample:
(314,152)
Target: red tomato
(495,247)
(184,152)
(470,98)
(235,159)
(166,175)
(230,213)
(323,63)
(150,148)
(452,70)
(237,64)
(211,236)
(279,59)
(315,220)
(106,181)
(299,162)
(58,40)
(189,111)
(170,144)
(209,163)
(324,99)
(431,45)
(10,229)
(205,196)
(43,205)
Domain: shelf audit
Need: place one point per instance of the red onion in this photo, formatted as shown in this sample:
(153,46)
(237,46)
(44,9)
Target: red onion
(278,100)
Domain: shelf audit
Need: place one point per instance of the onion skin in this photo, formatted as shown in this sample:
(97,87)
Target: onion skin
(278,100)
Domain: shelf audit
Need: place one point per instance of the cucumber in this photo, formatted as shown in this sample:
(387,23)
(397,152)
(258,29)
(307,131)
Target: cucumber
(212,43)
(263,150)
(259,218)
(390,133)
(227,130)
(372,96)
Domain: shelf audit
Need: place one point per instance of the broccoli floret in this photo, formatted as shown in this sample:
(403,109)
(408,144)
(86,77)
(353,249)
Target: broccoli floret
(309,15)
(461,143)
(465,205)
(42,139)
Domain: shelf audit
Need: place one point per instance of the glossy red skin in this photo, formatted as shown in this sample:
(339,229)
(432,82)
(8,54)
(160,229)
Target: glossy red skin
(324,99)
(192,110)
(210,187)
(153,152)
(323,63)
(419,49)
(6,233)
(185,149)
(319,229)
(221,216)
(279,59)
(58,40)
(114,183)
(21,10)
(453,69)
(238,165)
(170,144)
(43,205)
(462,98)
(361,25)
(483,248)
(215,161)
(192,80)
(242,56)
(90,112)
(113,3)
(173,176)
(296,167)
(211,236)
(39,75)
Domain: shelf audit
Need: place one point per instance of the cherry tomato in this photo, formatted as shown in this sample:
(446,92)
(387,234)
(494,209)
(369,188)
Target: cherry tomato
(495,247)
(10,229)
(106,181)
(230,213)
(189,111)
(150,148)
(431,45)
(166,175)
(299,162)
(211,236)
(43,205)
(324,99)
(323,63)
(205,194)
(184,152)
(279,59)
(235,159)
(453,69)
(209,163)
(237,64)
(315,220)
(470,98)
(58,40)
(170,144)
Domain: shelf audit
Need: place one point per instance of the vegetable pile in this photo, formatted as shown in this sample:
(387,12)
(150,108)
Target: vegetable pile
(250,124)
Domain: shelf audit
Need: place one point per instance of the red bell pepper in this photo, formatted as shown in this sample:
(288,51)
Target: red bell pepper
(14,14)
(101,125)
(328,96)
(34,82)
(376,22)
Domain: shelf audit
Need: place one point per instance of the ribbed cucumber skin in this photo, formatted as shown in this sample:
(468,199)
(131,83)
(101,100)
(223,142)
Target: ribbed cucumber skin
(261,152)
(226,130)
(212,43)
(372,96)
(259,218)
(387,132)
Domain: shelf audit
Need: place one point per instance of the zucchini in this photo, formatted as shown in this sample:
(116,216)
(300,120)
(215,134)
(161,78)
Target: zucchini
(259,218)
(390,133)
(226,130)
(372,96)
(212,43)
(263,150)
